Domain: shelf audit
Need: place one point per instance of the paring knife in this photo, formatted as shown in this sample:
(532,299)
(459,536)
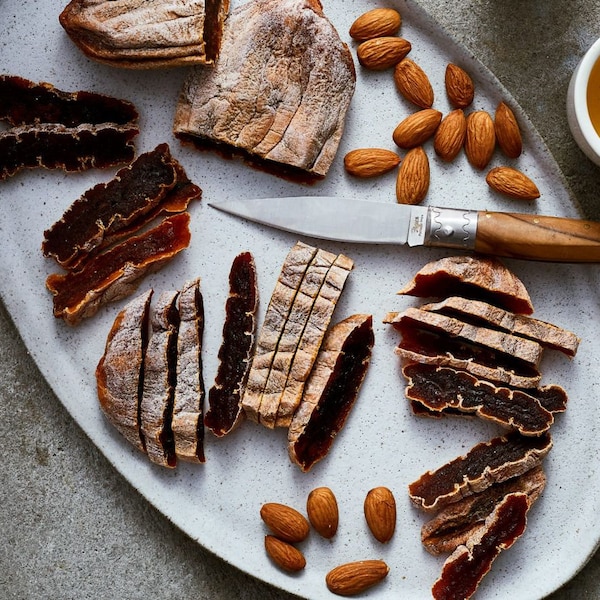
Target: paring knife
(514,235)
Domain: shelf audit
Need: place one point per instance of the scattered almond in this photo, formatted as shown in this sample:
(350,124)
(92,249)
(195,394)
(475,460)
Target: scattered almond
(323,513)
(412,82)
(513,183)
(412,182)
(380,513)
(370,162)
(382,52)
(376,23)
(417,128)
(355,577)
(450,135)
(480,139)
(285,522)
(459,86)
(286,556)
(508,132)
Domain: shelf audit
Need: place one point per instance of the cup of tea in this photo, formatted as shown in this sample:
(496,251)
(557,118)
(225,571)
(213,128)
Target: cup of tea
(583,103)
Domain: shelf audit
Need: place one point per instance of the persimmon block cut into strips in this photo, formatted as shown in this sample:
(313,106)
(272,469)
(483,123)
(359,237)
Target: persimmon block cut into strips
(149,379)
(312,337)
(278,310)
(292,334)
(477,351)
(299,312)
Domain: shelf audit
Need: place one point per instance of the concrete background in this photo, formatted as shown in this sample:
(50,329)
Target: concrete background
(72,528)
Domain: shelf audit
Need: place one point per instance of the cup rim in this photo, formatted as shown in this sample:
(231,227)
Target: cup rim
(580,96)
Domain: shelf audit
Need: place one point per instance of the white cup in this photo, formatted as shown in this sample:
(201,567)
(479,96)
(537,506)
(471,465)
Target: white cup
(578,115)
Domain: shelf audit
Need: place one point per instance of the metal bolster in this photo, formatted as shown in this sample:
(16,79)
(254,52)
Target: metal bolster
(451,228)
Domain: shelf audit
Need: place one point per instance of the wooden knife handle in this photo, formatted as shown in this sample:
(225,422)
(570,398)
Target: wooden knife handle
(535,237)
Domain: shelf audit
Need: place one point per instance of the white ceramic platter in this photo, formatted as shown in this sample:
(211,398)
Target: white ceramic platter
(218,503)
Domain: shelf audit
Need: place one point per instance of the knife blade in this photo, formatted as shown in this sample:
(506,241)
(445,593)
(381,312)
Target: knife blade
(513,235)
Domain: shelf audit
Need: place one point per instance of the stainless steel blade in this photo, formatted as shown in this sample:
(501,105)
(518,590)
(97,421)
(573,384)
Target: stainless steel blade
(514,235)
(334,218)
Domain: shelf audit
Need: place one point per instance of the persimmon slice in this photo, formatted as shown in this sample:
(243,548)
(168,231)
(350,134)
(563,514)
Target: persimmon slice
(235,354)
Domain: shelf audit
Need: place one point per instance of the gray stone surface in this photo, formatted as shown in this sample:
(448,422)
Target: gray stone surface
(72,528)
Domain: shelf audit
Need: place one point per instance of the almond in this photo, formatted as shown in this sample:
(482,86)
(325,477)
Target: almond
(323,513)
(376,23)
(450,135)
(480,139)
(508,132)
(513,183)
(284,555)
(382,52)
(285,522)
(412,82)
(353,578)
(370,162)
(459,86)
(412,182)
(417,128)
(380,513)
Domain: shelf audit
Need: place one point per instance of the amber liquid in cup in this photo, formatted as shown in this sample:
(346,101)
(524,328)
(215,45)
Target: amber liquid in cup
(593,96)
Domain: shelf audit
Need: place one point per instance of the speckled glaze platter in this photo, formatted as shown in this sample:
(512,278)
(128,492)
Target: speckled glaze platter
(218,503)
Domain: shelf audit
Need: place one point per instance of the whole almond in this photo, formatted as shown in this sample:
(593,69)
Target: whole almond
(412,82)
(450,135)
(380,513)
(508,132)
(513,183)
(480,139)
(285,522)
(412,182)
(323,512)
(370,162)
(376,23)
(353,578)
(459,86)
(285,555)
(382,53)
(417,128)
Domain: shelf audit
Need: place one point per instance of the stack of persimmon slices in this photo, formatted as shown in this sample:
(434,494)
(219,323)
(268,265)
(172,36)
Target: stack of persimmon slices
(146,34)
(476,352)
(150,381)
(114,234)
(296,372)
(54,129)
